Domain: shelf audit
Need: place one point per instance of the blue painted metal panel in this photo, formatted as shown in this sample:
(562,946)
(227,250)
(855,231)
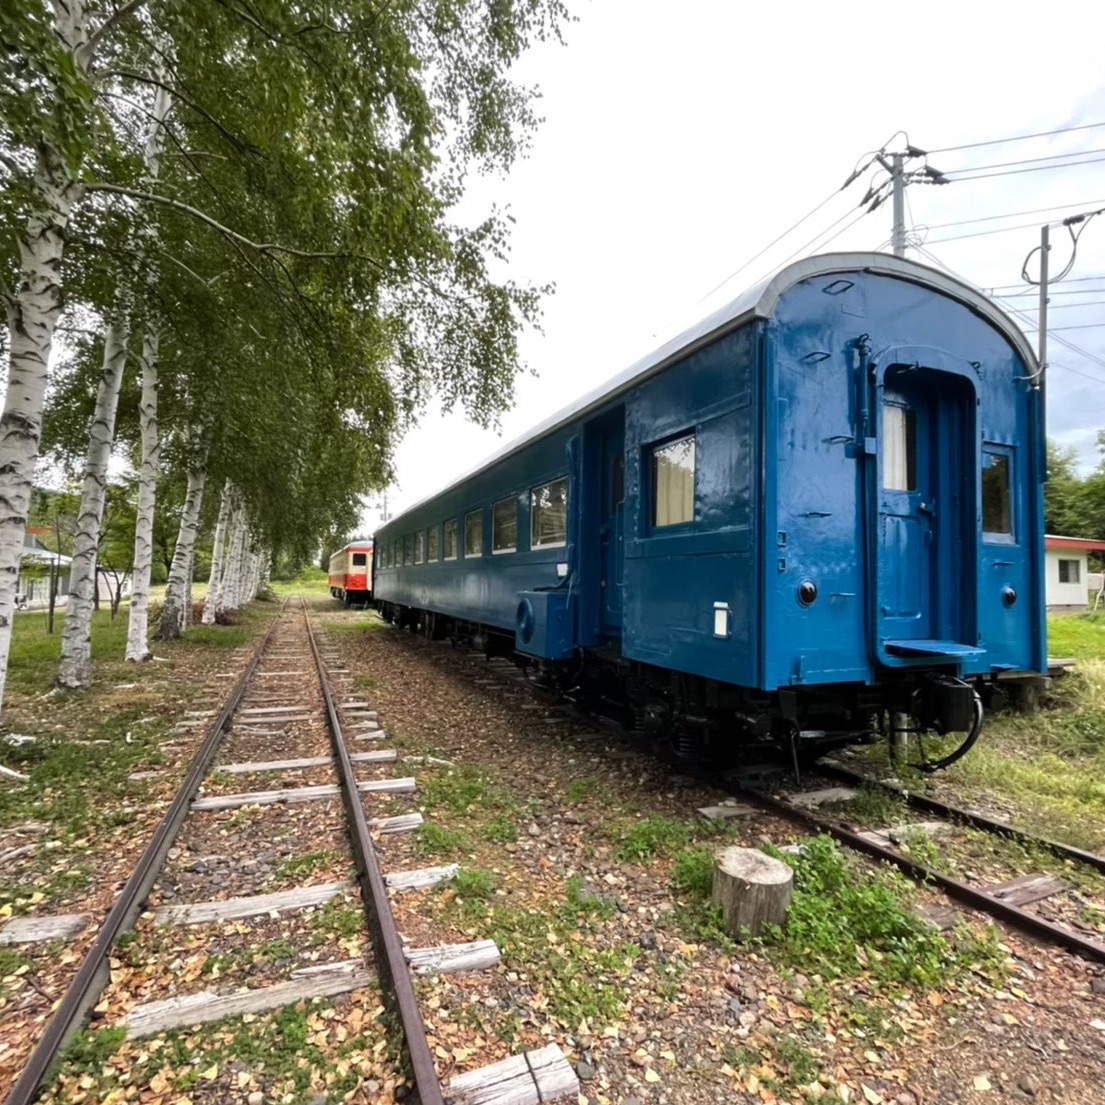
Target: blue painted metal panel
(674,575)
(837,527)
(786,410)
(545,625)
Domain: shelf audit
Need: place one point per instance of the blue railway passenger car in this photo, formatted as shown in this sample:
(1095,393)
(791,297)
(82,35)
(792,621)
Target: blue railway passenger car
(814,516)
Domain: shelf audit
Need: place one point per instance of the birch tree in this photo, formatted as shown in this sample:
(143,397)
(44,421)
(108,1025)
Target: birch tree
(321,144)
(138,629)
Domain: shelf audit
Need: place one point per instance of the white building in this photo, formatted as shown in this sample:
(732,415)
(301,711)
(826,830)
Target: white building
(1066,573)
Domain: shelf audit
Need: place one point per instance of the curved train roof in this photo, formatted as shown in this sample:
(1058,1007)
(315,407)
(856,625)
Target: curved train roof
(757,302)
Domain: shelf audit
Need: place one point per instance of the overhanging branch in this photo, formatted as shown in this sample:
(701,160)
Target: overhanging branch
(84,54)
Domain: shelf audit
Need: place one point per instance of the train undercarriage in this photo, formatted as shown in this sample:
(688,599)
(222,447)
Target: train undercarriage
(705,723)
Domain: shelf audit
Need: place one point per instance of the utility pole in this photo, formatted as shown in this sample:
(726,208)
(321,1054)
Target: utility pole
(895,165)
(897,183)
(1041,336)
(1070,222)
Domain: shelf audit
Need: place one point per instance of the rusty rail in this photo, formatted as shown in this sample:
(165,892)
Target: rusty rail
(377,906)
(967,817)
(1030,923)
(94,972)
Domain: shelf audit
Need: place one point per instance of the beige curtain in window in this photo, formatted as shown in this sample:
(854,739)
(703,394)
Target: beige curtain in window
(673,477)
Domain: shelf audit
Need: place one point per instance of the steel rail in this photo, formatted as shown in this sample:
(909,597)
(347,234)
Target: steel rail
(967,817)
(94,972)
(377,906)
(1030,923)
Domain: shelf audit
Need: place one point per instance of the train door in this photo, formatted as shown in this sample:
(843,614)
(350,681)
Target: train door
(604,510)
(612,532)
(927,534)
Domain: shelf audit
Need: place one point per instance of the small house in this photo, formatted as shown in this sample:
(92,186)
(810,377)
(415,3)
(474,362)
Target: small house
(1067,583)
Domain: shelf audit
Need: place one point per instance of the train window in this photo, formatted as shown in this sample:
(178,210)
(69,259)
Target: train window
(359,559)
(408,549)
(431,543)
(997,504)
(899,448)
(451,539)
(419,539)
(1070,571)
(673,482)
(549,514)
(504,526)
(473,533)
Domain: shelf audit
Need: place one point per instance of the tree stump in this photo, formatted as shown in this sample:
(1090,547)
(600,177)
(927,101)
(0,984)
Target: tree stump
(752,889)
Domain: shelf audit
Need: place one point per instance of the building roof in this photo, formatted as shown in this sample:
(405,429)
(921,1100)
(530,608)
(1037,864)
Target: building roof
(759,301)
(1088,544)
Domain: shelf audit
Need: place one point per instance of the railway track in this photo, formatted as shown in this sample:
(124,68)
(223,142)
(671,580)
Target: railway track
(292,701)
(981,899)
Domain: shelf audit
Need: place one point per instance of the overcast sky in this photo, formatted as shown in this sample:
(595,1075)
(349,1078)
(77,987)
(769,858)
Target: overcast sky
(680,139)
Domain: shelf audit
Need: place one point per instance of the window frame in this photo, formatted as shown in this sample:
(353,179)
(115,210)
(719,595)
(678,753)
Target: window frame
(512,501)
(1007,453)
(353,560)
(650,452)
(419,547)
(433,538)
(445,528)
(909,425)
(477,513)
(408,550)
(534,543)
(1077,562)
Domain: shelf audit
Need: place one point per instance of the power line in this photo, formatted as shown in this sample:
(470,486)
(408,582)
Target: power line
(1067,306)
(1018,311)
(1013,214)
(1079,326)
(1069,291)
(1017,138)
(1068,280)
(984,233)
(773,242)
(1023,161)
(1016,172)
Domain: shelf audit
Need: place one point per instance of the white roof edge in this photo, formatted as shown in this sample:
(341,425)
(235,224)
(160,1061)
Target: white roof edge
(759,301)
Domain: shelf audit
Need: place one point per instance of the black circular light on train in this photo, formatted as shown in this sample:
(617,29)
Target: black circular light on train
(807,592)
(1008,596)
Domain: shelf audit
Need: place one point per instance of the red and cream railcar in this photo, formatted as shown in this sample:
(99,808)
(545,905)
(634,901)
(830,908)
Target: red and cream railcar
(351,573)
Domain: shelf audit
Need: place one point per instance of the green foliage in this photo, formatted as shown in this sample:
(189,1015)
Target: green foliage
(474,883)
(92,1048)
(456,788)
(847,920)
(693,872)
(640,840)
(436,839)
(306,864)
(579,898)
(874,805)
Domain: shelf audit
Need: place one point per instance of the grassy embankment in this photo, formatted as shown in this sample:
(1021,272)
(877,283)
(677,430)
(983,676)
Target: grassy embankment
(1051,764)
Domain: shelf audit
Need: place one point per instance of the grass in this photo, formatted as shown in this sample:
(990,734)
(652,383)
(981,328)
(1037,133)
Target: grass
(33,661)
(73,785)
(306,864)
(286,1045)
(874,806)
(650,837)
(847,920)
(437,840)
(1079,635)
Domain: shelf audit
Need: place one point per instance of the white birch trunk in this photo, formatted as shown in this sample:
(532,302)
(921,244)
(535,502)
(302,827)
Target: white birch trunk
(234,568)
(138,631)
(33,311)
(75,668)
(172,616)
(214,583)
(186,598)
